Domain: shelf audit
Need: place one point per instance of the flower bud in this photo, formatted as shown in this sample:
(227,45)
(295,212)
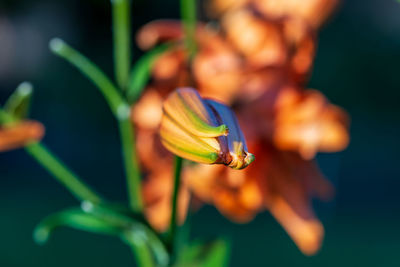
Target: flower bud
(197,129)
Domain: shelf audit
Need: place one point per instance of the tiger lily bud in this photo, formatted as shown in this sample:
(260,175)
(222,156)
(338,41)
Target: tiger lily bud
(202,130)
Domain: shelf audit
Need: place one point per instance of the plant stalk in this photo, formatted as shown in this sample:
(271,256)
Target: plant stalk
(54,166)
(122,42)
(174,216)
(120,109)
(188,15)
(130,160)
(142,254)
(66,177)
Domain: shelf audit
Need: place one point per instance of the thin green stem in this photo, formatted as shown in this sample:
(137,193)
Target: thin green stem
(188,15)
(65,176)
(54,166)
(121,32)
(136,233)
(130,160)
(174,210)
(142,254)
(120,109)
(18,103)
(89,69)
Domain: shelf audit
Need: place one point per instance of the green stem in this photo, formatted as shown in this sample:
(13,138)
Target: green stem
(53,165)
(137,235)
(188,15)
(174,211)
(130,160)
(121,31)
(90,70)
(120,109)
(142,254)
(66,177)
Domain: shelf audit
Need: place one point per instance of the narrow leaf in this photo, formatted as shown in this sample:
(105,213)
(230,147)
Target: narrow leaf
(92,71)
(134,232)
(18,103)
(213,254)
(141,72)
(74,218)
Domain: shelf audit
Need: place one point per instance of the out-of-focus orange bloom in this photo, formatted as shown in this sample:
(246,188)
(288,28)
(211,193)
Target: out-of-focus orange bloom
(158,31)
(307,123)
(259,61)
(260,41)
(218,7)
(157,192)
(279,181)
(146,115)
(253,55)
(20,134)
(217,69)
(314,12)
(300,40)
(232,192)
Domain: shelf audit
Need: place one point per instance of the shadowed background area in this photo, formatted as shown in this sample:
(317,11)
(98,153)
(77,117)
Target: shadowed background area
(356,68)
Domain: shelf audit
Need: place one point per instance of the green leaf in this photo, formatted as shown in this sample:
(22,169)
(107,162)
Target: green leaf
(102,219)
(141,72)
(74,218)
(212,254)
(135,233)
(18,103)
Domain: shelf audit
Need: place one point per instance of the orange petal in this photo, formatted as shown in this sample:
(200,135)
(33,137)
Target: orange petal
(20,134)
(158,31)
(307,233)
(157,194)
(315,12)
(260,41)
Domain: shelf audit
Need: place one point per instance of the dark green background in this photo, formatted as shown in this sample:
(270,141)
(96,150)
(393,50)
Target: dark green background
(357,67)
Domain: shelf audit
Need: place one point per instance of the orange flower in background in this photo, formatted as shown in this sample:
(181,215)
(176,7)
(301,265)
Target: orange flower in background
(314,12)
(261,42)
(225,65)
(280,182)
(307,123)
(258,61)
(157,192)
(216,69)
(20,134)
(158,31)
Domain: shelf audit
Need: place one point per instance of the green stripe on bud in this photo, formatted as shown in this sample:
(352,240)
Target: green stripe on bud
(188,109)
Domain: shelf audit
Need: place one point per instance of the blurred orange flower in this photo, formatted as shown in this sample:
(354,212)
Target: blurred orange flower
(314,12)
(281,182)
(20,134)
(157,192)
(307,123)
(258,61)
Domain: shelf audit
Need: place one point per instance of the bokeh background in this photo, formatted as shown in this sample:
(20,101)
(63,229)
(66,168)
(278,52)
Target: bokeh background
(357,67)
